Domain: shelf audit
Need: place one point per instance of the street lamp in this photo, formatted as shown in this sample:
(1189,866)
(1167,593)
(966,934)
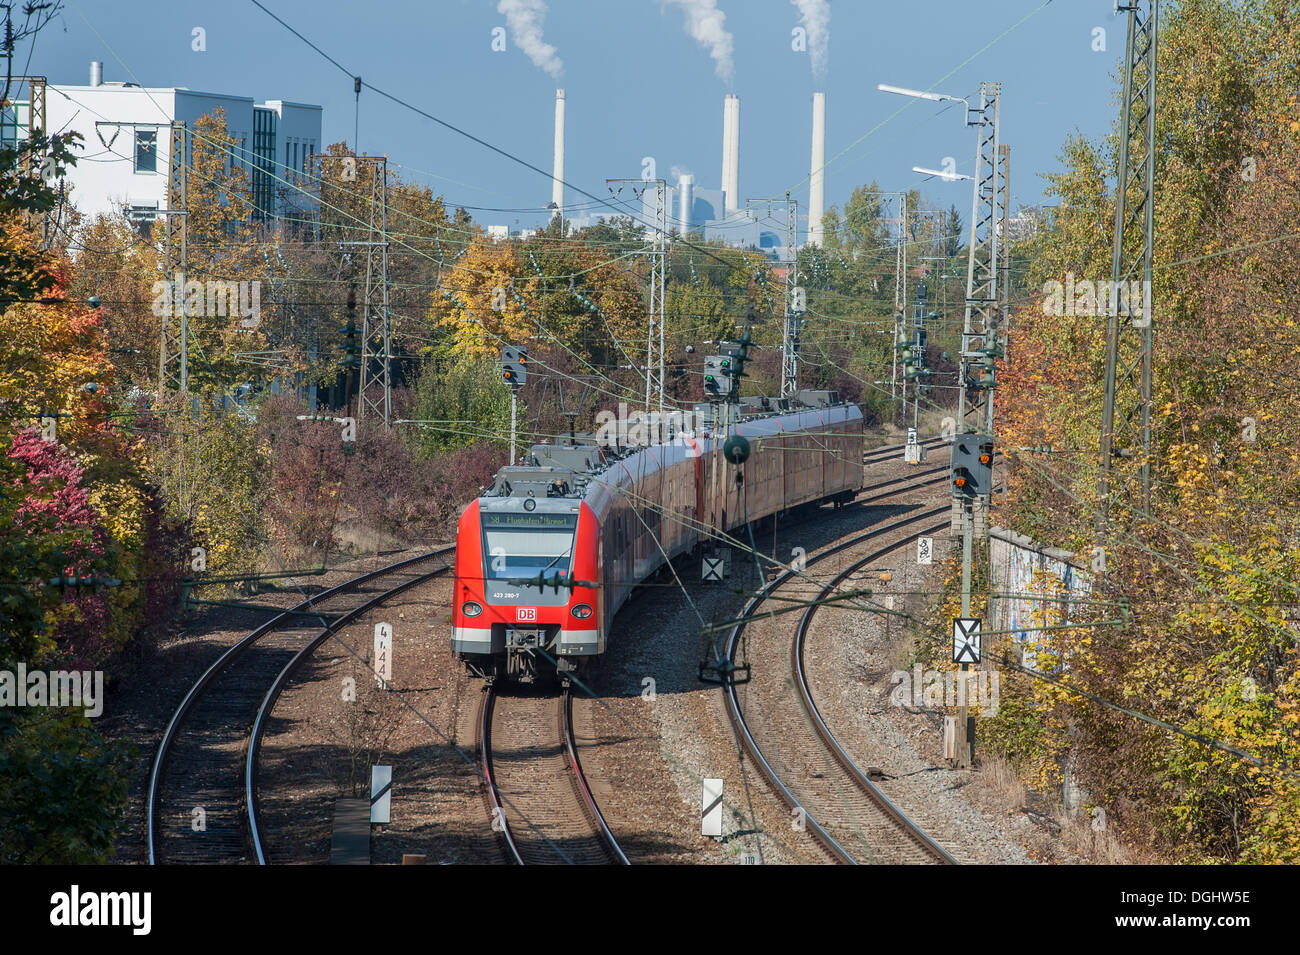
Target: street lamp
(947,176)
(933,97)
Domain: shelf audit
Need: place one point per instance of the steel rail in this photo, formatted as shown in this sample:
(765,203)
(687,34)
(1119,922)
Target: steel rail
(299,658)
(747,615)
(221,663)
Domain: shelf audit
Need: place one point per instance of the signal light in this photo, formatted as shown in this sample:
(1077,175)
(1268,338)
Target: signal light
(514,366)
(471,609)
(582,611)
(972,465)
(717,380)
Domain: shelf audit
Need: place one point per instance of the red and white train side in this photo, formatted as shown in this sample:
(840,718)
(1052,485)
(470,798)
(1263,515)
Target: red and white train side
(604,522)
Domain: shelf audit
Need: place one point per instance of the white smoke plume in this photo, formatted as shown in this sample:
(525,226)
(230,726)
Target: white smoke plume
(525,20)
(704,22)
(815,15)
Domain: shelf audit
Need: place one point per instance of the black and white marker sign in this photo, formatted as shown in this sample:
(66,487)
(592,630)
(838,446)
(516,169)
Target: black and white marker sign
(381,793)
(965,640)
(924,550)
(713,569)
(711,806)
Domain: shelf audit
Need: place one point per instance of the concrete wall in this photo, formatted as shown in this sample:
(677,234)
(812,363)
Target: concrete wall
(1015,560)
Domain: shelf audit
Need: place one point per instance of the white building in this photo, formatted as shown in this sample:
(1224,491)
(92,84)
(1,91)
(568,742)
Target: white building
(123,156)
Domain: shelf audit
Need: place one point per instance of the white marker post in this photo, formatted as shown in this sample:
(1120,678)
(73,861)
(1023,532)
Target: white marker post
(381,793)
(383,654)
(913,453)
(711,823)
(924,550)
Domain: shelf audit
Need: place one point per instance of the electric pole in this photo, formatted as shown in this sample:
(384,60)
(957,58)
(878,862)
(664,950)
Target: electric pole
(998,330)
(978,350)
(972,447)
(795,306)
(900,296)
(173,342)
(654,349)
(1127,436)
(376,336)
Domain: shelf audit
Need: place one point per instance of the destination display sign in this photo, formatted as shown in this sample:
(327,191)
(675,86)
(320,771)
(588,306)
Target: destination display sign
(527,519)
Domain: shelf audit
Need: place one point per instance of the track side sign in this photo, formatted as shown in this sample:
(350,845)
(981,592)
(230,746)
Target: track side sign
(965,640)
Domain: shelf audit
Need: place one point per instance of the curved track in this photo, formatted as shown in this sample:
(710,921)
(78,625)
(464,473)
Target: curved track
(849,817)
(204,769)
(539,799)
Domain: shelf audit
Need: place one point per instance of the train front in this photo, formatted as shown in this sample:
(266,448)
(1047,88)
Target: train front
(528,596)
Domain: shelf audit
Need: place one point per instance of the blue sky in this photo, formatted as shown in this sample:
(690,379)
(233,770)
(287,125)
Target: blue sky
(637,85)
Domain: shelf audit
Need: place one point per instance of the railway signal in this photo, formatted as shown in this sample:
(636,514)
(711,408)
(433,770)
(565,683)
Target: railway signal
(717,376)
(972,465)
(514,372)
(514,366)
(738,349)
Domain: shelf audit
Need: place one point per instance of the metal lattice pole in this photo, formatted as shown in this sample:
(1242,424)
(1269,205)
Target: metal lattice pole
(983,266)
(793,307)
(898,333)
(982,260)
(792,310)
(376,394)
(173,341)
(998,332)
(35,118)
(661,258)
(654,347)
(1126,408)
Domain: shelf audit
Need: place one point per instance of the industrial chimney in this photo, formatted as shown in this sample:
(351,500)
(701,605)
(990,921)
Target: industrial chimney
(817,181)
(686,187)
(96,73)
(557,183)
(731,155)
(724,184)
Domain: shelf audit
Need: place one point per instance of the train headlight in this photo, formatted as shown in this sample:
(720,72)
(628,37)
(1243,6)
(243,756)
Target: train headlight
(471,609)
(581,611)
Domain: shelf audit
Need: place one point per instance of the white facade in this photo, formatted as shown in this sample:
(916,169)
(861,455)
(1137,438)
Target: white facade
(124,152)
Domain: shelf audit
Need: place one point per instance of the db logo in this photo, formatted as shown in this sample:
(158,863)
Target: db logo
(527,614)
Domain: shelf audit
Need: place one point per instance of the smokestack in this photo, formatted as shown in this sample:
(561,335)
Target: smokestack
(817,181)
(686,186)
(96,73)
(724,183)
(732,197)
(557,183)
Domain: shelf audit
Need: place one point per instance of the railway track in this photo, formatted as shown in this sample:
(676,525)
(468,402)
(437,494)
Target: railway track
(201,803)
(777,721)
(884,489)
(895,451)
(538,797)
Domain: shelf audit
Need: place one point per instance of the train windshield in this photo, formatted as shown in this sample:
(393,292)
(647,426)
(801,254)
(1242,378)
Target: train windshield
(519,545)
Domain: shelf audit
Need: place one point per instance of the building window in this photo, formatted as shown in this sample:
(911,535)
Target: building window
(146,150)
(295,156)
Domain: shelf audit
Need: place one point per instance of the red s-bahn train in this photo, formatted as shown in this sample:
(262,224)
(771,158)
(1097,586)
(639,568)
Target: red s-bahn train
(603,518)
